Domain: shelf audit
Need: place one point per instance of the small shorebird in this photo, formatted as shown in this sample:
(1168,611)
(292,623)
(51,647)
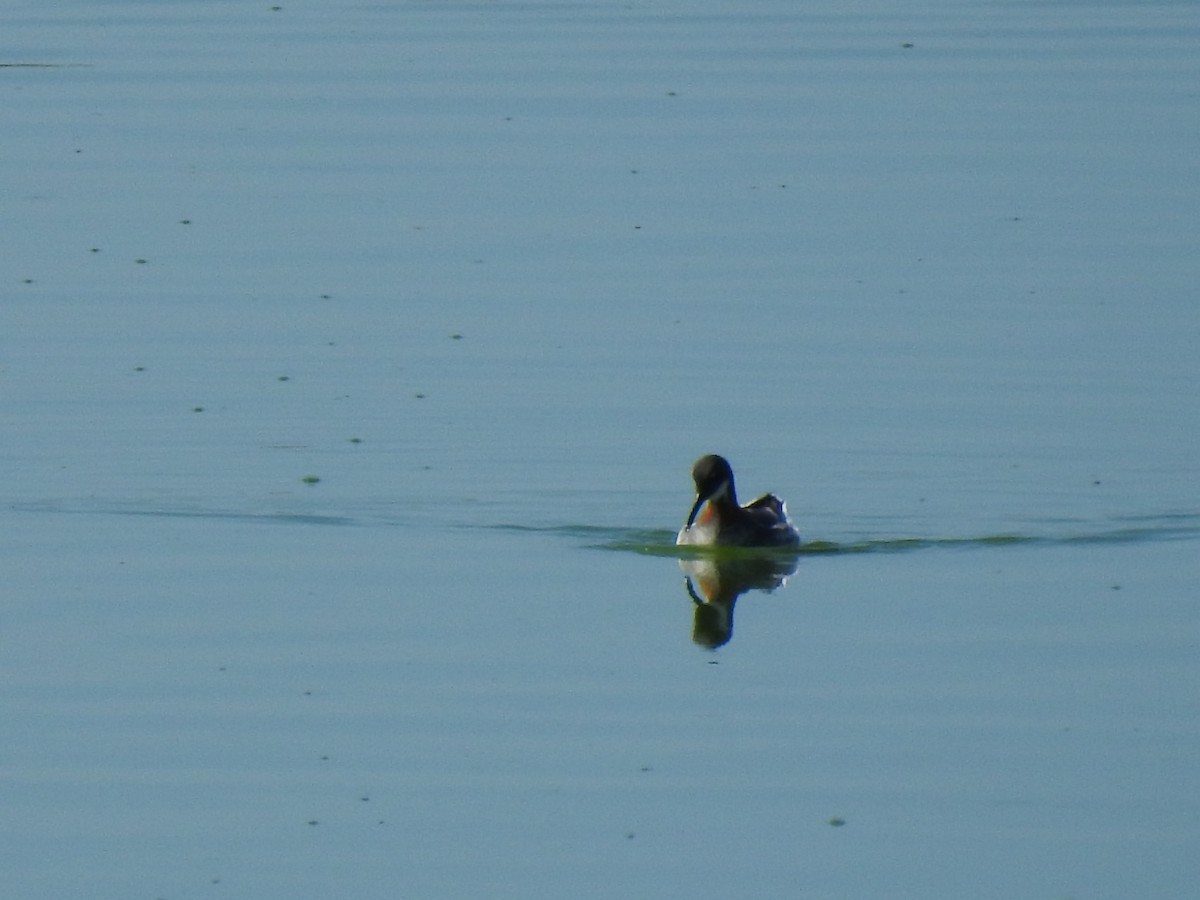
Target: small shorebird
(717,520)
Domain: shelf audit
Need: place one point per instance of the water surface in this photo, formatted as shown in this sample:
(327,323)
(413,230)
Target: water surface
(353,359)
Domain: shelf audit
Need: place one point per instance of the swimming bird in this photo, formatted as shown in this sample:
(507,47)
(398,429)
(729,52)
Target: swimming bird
(717,520)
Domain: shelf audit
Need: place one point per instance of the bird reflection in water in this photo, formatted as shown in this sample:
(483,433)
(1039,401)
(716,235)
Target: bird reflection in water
(715,583)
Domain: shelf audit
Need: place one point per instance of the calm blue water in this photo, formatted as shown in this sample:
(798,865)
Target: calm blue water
(490,277)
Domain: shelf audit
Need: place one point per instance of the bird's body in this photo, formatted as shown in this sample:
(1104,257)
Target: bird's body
(716,519)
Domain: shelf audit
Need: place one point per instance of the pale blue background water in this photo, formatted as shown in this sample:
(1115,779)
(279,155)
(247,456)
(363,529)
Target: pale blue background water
(943,291)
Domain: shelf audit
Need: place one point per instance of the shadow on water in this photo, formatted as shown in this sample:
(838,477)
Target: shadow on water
(715,584)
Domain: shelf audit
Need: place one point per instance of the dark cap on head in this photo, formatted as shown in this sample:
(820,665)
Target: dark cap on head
(710,472)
